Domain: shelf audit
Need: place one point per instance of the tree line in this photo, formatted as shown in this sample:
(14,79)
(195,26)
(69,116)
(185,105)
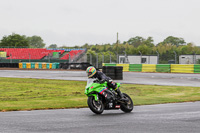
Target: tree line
(145,46)
(21,41)
(134,46)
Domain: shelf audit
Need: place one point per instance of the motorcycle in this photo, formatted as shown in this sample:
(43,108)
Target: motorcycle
(101,97)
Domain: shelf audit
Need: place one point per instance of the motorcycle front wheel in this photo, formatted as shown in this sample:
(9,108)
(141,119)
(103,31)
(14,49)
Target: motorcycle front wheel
(95,106)
(127,106)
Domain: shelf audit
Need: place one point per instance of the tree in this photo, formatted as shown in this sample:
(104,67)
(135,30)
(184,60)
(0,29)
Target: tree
(144,49)
(188,49)
(14,40)
(136,41)
(86,46)
(174,41)
(53,46)
(36,42)
(149,42)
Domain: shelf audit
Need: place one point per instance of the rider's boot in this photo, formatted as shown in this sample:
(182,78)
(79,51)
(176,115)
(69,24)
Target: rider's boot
(121,95)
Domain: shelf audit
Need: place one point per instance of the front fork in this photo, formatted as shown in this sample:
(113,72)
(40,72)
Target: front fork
(96,97)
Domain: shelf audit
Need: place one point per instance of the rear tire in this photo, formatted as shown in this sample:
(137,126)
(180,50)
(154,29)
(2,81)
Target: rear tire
(128,106)
(95,106)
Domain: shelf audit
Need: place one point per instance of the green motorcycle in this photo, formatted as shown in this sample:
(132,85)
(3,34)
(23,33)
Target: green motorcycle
(101,97)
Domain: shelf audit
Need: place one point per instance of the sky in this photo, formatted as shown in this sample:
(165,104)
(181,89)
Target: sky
(76,22)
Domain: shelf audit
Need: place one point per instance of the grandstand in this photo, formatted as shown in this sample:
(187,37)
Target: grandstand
(41,53)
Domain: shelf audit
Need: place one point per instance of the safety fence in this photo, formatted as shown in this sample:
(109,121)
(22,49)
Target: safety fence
(166,68)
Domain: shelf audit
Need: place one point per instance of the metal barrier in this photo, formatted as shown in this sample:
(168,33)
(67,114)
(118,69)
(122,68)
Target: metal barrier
(166,68)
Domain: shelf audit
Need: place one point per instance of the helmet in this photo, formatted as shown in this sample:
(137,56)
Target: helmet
(91,71)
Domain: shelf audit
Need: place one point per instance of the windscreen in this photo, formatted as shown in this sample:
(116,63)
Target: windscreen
(89,81)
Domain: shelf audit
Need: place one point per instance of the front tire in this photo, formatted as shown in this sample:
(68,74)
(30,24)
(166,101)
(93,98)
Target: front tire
(128,106)
(95,106)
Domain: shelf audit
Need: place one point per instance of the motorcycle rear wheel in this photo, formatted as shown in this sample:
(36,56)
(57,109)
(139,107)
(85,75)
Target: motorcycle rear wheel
(128,106)
(95,106)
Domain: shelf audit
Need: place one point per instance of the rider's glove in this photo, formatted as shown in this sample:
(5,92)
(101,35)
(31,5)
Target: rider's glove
(95,81)
(110,81)
(101,81)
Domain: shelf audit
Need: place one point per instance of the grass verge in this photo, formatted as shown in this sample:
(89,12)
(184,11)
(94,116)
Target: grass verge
(31,94)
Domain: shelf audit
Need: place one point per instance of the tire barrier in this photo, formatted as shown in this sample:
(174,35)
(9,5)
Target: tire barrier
(79,66)
(165,68)
(32,65)
(64,65)
(35,65)
(119,73)
(56,65)
(114,72)
(9,65)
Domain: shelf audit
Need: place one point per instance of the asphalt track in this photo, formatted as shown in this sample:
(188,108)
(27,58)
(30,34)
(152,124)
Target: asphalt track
(128,77)
(161,118)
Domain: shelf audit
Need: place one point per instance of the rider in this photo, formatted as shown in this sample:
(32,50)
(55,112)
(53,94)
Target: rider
(93,73)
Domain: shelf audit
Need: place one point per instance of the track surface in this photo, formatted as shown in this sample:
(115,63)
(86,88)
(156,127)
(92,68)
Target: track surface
(162,118)
(129,77)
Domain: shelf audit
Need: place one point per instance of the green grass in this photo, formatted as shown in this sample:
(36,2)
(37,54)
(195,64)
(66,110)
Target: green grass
(31,94)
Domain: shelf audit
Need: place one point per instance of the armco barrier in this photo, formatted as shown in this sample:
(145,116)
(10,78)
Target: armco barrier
(167,68)
(148,68)
(196,68)
(107,64)
(163,68)
(125,67)
(182,68)
(135,67)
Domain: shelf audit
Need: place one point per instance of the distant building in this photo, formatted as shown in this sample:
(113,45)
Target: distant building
(189,59)
(137,59)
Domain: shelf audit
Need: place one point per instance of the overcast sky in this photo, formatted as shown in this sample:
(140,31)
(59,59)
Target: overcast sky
(76,22)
